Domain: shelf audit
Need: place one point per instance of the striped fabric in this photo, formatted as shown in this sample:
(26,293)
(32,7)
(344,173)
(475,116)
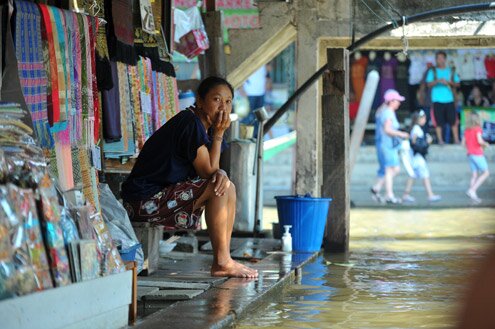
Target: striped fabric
(32,73)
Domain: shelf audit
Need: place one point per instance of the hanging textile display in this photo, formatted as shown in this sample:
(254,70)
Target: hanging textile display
(134,83)
(32,72)
(120,33)
(144,70)
(172,96)
(103,71)
(111,109)
(93,27)
(125,147)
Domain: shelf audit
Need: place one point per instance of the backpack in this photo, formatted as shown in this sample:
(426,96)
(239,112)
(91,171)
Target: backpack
(421,146)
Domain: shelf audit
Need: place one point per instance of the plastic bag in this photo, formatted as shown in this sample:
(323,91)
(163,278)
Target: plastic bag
(190,34)
(118,223)
(8,282)
(182,24)
(110,262)
(30,256)
(52,230)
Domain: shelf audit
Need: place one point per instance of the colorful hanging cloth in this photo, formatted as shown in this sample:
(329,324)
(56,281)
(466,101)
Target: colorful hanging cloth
(93,27)
(120,31)
(32,72)
(111,109)
(61,56)
(53,102)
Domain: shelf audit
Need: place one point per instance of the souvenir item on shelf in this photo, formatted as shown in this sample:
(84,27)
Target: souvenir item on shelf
(74,260)
(24,273)
(54,238)
(81,215)
(30,254)
(8,282)
(111,262)
(90,268)
(69,228)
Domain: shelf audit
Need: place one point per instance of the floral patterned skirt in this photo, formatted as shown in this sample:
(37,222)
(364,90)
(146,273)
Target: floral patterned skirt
(173,207)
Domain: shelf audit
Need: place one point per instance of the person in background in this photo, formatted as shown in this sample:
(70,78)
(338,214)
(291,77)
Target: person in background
(476,98)
(443,81)
(419,145)
(474,143)
(177,175)
(255,89)
(491,94)
(423,97)
(388,140)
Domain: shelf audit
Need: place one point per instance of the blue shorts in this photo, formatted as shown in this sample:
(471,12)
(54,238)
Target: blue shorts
(478,163)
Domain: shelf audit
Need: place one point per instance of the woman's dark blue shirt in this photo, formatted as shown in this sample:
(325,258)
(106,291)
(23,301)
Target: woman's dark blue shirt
(167,157)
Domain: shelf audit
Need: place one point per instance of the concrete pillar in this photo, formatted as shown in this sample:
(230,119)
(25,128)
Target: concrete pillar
(213,62)
(335,122)
(308,124)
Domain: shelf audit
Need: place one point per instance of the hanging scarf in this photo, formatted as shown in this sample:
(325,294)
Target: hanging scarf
(32,73)
(111,109)
(61,55)
(122,18)
(93,27)
(162,116)
(53,102)
(120,32)
(134,84)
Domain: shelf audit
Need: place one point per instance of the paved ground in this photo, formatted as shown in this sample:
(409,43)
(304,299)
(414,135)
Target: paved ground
(222,301)
(451,198)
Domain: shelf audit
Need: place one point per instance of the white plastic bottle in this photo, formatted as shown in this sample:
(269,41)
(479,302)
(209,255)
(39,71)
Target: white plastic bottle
(287,239)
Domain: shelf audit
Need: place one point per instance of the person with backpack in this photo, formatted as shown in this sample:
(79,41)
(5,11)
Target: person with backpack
(443,81)
(420,141)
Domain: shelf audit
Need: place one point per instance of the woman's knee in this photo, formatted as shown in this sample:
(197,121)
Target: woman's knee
(232,191)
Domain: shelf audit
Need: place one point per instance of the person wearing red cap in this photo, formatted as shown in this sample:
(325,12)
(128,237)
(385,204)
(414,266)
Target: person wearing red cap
(388,140)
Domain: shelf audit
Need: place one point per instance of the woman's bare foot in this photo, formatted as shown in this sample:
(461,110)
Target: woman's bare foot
(233,269)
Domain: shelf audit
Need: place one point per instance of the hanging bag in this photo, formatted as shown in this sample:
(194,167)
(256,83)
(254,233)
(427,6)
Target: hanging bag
(195,41)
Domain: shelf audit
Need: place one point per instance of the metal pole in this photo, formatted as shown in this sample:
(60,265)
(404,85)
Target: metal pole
(259,188)
(261,117)
(355,45)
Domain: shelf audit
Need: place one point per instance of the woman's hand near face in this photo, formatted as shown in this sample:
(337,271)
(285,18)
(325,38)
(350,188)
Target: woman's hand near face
(222,122)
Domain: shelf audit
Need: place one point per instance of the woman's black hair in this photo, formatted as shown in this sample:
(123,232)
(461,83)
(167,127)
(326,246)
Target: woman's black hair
(211,82)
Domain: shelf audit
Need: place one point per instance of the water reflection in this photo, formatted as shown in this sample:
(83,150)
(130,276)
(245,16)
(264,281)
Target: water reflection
(405,270)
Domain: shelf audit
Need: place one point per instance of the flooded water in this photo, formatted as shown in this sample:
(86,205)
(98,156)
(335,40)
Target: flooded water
(405,269)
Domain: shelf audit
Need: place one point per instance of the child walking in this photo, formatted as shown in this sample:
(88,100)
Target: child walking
(419,145)
(474,143)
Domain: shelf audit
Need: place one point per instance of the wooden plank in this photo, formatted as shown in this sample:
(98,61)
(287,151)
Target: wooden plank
(132,265)
(172,295)
(72,306)
(265,53)
(172,284)
(115,166)
(335,149)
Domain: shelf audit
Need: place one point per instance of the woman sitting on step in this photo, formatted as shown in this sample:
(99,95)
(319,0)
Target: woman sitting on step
(177,175)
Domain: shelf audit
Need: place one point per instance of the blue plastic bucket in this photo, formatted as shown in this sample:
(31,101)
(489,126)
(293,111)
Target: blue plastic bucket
(307,216)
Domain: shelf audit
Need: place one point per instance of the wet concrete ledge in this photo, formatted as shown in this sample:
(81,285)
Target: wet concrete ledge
(223,304)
